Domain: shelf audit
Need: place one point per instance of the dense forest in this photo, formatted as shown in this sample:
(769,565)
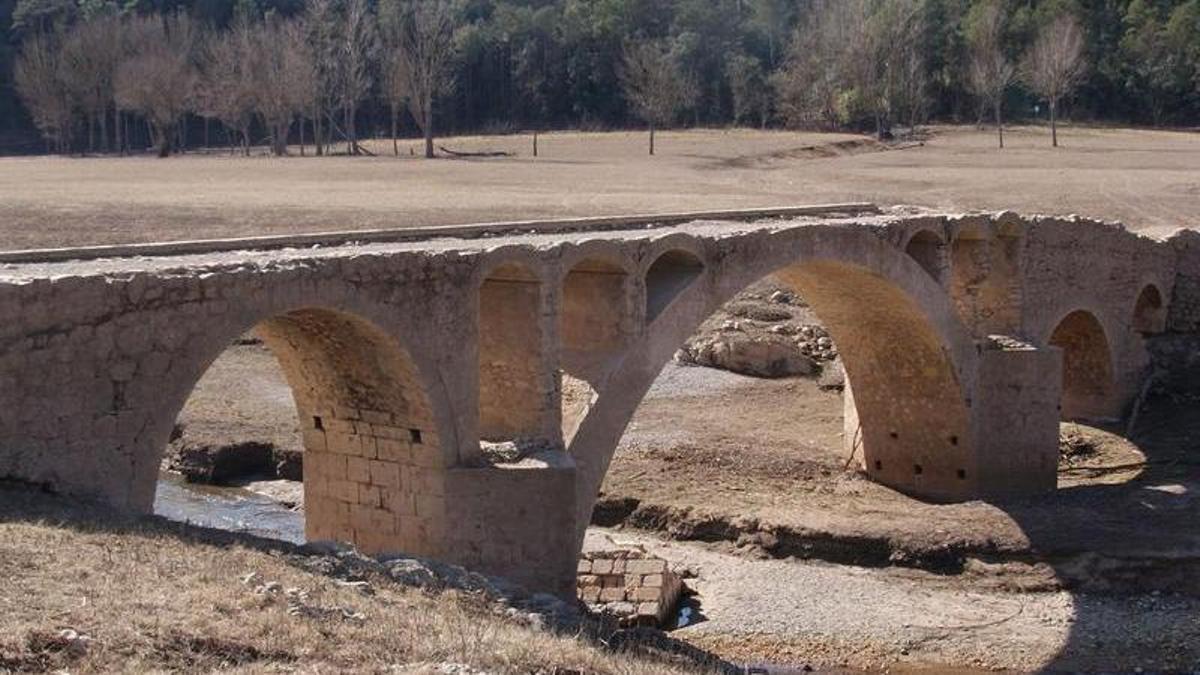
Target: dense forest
(97,75)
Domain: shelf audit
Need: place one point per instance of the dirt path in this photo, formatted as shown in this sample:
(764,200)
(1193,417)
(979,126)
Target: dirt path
(804,613)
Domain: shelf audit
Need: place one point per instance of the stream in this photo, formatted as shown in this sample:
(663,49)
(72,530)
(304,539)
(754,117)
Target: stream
(227,508)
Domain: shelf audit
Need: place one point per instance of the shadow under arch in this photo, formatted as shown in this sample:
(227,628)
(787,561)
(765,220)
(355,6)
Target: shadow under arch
(373,456)
(902,343)
(1150,311)
(1088,384)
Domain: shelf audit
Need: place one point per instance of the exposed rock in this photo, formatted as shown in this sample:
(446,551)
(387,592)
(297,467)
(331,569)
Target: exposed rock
(220,464)
(762,356)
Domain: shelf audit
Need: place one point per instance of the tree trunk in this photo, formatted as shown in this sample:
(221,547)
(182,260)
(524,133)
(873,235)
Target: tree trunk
(351,131)
(103,117)
(535,143)
(300,119)
(428,128)
(317,134)
(207,123)
(246,141)
(1053,123)
(999,125)
(652,139)
(395,141)
(91,124)
(120,144)
(163,137)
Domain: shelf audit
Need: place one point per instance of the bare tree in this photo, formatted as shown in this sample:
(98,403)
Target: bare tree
(991,72)
(282,74)
(427,52)
(38,76)
(300,72)
(394,81)
(227,86)
(1054,64)
(355,49)
(91,53)
(159,80)
(653,83)
(321,26)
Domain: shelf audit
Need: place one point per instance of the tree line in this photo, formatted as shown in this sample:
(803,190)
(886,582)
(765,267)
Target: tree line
(98,75)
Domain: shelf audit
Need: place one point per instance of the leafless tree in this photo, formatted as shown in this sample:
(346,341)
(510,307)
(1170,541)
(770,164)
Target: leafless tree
(227,87)
(653,83)
(427,53)
(394,81)
(159,80)
(282,73)
(321,26)
(1054,64)
(898,83)
(991,72)
(91,53)
(38,76)
(356,47)
(300,71)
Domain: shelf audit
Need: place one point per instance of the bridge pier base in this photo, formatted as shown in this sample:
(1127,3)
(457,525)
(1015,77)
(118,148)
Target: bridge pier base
(515,521)
(1015,416)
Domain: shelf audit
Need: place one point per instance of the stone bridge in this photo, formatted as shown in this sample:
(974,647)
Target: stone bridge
(966,339)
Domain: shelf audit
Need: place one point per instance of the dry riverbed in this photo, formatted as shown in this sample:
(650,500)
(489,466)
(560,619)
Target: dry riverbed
(742,480)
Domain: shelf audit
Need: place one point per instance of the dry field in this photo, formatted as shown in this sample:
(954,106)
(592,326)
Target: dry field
(141,596)
(1147,179)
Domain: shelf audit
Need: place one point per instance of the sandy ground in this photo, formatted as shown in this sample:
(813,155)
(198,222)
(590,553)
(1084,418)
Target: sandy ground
(804,613)
(1147,179)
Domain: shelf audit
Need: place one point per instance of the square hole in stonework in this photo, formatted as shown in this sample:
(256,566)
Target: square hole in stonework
(917,469)
(878,465)
(415,435)
(318,424)
(962,474)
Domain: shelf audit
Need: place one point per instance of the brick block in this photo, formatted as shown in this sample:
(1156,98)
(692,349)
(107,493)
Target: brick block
(646,594)
(385,474)
(602,566)
(653,580)
(646,567)
(358,470)
(584,567)
(612,594)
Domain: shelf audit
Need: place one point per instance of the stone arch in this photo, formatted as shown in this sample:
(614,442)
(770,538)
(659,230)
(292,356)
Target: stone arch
(985,280)
(594,325)
(513,388)
(1150,312)
(670,273)
(1088,386)
(929,250)
(868,292)
(374,460)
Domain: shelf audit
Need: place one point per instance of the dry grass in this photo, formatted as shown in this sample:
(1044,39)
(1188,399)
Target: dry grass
(159,597)
(1147,179)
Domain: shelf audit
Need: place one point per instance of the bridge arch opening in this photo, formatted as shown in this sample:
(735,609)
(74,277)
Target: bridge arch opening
(907,422)
(1088,388)
(929,250)
(669,275)
(372,462)
(1150,313)
(594,324)
(985,279)
(907,408)
(513,387)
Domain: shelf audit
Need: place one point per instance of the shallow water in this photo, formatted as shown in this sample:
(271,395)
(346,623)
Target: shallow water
(227,508)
